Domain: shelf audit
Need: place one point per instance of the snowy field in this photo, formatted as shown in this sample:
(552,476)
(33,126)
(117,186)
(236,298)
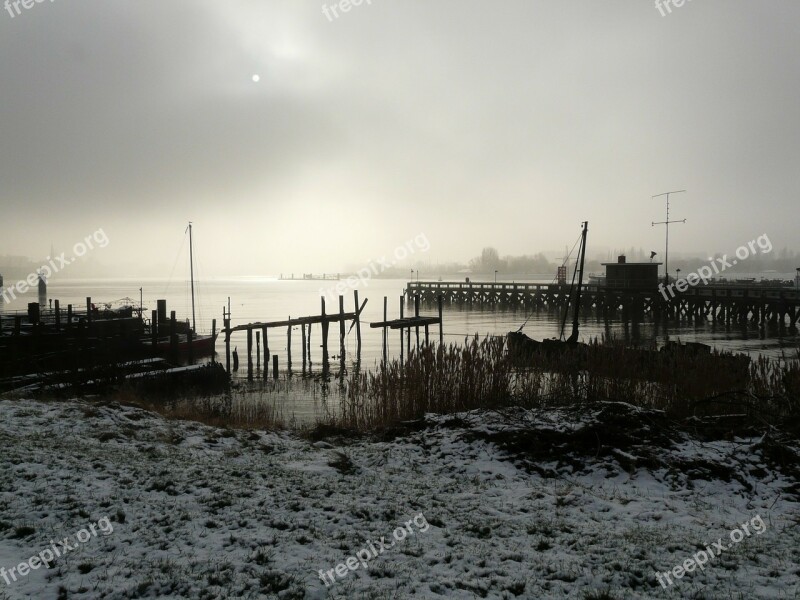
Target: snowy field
(505,508)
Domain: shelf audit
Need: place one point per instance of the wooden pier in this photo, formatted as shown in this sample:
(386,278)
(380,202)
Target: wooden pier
(719,303)
(324,319)
(406,324)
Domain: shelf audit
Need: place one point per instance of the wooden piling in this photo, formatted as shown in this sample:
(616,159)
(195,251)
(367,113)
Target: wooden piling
(441,320)
(227,322)
(69,317)
(275,366)
(89,311)
(416,314)
(258,350)
(358,325)
(289,348)
(303,343)
(325,325)
(385,333)
(58,316)
(341,329)
(402,342)
(250,354)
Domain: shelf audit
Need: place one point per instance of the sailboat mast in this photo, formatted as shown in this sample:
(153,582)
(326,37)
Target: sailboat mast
(191,273)
(575,321)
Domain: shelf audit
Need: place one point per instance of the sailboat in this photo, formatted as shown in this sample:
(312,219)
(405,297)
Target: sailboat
(189,342)
(522,346)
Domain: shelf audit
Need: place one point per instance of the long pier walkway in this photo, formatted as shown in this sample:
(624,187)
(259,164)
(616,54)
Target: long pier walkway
(721,303)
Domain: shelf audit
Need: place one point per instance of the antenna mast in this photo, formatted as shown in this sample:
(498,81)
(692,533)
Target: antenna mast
(667,223)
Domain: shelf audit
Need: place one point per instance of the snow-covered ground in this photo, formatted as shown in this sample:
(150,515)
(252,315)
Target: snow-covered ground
(199,512)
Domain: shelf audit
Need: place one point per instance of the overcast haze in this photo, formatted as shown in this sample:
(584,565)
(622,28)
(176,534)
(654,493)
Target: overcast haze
(475,123)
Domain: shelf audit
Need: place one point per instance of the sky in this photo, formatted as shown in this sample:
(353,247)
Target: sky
(296,141)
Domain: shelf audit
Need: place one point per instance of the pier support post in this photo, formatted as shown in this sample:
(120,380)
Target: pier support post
(250,354)
(402,341)
(325,325)
(275,367)
(341,331)
(89,312)
(358,325)
(58,316)
(416,314)
(258,350)
(385,318)
(441,321)
(289,349)
(303,344)
(69,317)
(227,322)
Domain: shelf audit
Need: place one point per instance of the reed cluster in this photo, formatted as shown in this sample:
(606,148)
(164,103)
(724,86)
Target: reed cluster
(482,374)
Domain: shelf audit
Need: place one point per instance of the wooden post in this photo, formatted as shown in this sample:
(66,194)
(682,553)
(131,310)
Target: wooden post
(214,340)
(358,326)
(69,317)
(227,323)
(303,343)
(385,318)
(249,354)
(89,312)
(402,342)
(341,330)
(441,320)
(416,314)
(275,366)
(309,347)
(266,352)
(258,350)
(17,324)
(58,316)
(427,339)
(289,348)
(324,338)
(173,337)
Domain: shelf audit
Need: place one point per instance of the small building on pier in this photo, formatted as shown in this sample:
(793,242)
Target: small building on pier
(631,276)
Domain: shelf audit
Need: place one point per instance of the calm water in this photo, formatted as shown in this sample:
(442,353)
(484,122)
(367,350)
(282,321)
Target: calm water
(267,299)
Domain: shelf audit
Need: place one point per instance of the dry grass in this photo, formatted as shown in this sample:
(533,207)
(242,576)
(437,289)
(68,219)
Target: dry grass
(481,374)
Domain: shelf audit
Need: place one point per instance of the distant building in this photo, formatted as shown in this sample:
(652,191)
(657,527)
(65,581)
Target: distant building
(632,276)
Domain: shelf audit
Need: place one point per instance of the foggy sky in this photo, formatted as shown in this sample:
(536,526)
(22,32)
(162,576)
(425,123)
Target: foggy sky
(475,123)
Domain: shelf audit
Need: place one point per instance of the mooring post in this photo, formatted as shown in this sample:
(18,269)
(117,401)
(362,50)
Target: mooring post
(402,342)
(173,337)
(416,315)
(213,340)
(258,350)
(303,344)
(58,316)
(309,347)
(249,353)
(275,367)
(441,319)
(385,318)
(358,325)
(289,349)
(341,328)
(324,338)
(227,322)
